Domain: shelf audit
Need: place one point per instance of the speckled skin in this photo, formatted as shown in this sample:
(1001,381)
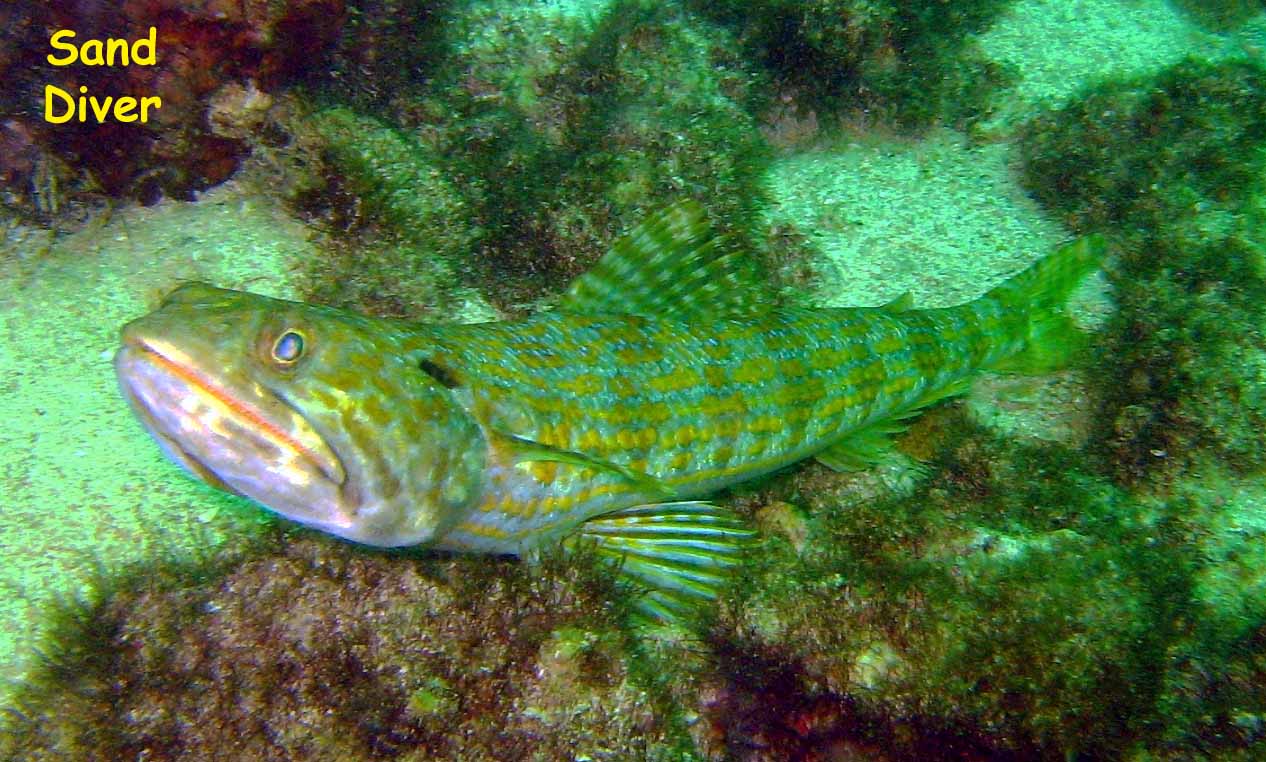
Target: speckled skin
(352,439)
(696,406)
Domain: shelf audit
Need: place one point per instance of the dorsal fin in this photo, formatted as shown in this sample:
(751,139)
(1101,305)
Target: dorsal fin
(671,265)
(903,303)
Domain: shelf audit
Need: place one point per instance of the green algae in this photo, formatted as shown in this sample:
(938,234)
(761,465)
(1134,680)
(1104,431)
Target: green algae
(914,63)
(297,648)
(1220,15)
(1016,598)
(433,698)
(563,130)
(537,137)
(386,53)
(975,614)
(1212,696)
(396,229)
(1172,168)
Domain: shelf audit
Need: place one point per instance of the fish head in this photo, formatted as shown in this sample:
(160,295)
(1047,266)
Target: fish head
(318,414)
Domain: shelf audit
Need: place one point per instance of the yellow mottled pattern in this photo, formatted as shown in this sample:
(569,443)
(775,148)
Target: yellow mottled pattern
(699,406)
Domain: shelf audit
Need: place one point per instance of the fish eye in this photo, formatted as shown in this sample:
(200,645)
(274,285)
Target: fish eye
(288,348)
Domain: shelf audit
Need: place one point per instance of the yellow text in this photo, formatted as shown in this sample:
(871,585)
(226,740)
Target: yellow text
(61,107)
(108,52)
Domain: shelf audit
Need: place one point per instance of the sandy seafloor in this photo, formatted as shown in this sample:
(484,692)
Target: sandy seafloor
(82,483)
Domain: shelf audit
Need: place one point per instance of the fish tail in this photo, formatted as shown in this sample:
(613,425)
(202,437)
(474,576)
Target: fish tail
(1046,337)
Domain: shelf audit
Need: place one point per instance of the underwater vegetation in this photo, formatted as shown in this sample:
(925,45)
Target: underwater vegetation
(558,131)
(553,129)
(561,132)
(1220,15)
(395,226)
(297,648)
(1012,605)
(1006,599)
(912,63)
(1172,168)
(539,137)
(388,51)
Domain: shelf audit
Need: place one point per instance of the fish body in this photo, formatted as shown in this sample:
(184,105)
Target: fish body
(662,377)
(694,406)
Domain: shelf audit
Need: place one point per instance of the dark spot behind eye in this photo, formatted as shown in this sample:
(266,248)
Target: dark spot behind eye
(443,375)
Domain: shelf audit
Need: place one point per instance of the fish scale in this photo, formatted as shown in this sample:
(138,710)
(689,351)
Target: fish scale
(664,375)
(855,367)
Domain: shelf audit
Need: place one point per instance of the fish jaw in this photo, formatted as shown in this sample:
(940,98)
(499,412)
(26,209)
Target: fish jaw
(255,444)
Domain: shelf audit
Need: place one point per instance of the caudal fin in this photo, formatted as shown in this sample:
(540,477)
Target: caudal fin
(1040,292)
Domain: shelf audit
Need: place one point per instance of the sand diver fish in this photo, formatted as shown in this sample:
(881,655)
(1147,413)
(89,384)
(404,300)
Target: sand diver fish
(662,376)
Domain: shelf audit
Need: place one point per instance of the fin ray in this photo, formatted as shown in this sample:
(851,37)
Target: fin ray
(528,451)
(902,303)
(671,265)
(1051,337)
(865,447)
(679,555)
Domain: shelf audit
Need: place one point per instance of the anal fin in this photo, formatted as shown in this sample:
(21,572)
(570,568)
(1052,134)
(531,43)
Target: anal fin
(872,444)
(862,448)
(678,555)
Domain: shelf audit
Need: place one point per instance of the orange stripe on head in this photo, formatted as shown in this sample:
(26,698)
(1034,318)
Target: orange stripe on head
(327,461)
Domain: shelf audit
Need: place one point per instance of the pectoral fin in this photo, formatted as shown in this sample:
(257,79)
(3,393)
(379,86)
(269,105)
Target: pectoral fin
(523,452)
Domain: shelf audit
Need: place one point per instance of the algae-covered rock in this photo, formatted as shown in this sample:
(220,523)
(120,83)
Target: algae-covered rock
(1172,168)
(1016,605)
(169,149)
(315,650)
(1220,15)
(386,54)
(1151,151)
(563,129)
(397,230)
(914,62)
(1013,605)
(538,135)
(932,610)
(1214,694)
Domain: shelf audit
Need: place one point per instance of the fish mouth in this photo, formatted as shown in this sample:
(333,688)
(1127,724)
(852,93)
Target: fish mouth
(171,445)
(212,431)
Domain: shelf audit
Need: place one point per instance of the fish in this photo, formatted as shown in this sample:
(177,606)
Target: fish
(664,374)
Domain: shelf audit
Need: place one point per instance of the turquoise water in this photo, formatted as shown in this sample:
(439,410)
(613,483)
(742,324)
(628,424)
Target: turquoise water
(1062,566)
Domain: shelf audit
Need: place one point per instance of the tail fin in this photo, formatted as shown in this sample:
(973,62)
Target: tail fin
(1051,338)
